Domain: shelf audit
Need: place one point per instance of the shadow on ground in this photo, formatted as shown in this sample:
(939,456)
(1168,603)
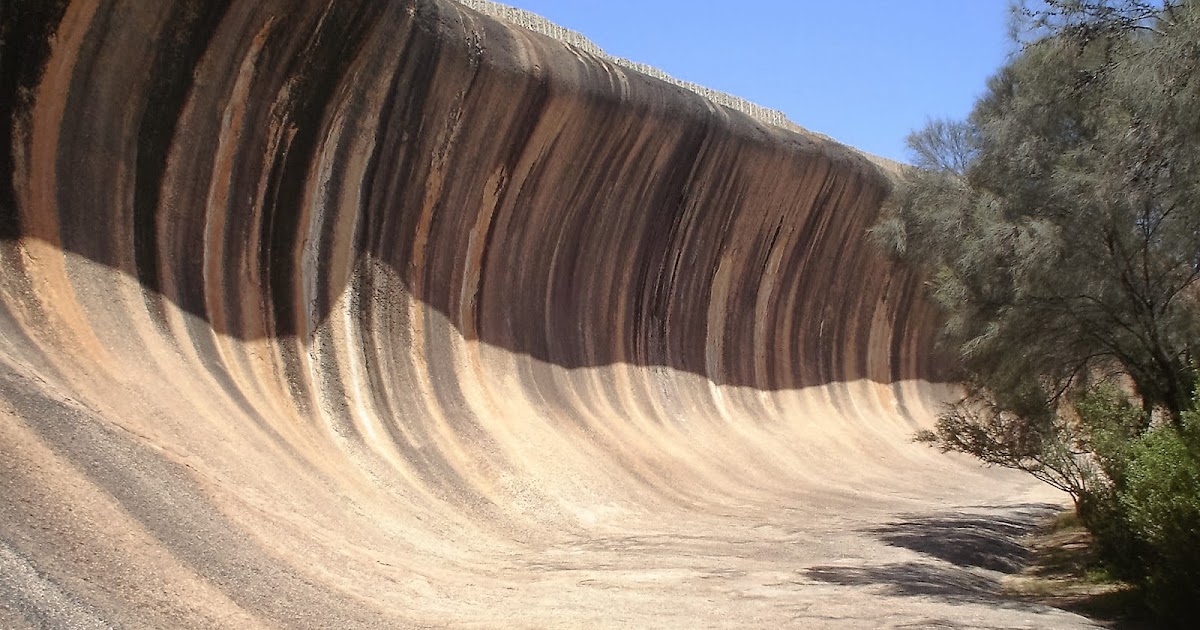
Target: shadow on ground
(911,578)
(966,553)
(987,540)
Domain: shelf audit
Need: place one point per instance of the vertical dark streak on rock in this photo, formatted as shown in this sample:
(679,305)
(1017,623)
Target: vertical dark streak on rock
(312,79)
(26,28)
(185,38)
(669,201)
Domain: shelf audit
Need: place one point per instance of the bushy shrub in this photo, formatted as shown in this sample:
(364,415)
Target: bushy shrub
(1161,502)
(1109,424)
(1143,505)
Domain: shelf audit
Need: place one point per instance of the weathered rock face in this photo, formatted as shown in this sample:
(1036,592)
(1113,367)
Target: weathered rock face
(342,314)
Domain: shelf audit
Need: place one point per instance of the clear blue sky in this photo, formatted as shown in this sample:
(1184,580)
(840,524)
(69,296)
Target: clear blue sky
(866,72)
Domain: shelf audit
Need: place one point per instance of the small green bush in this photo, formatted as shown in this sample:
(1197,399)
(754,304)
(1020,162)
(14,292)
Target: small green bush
(1109,425)
(1161,501)
(1143,504)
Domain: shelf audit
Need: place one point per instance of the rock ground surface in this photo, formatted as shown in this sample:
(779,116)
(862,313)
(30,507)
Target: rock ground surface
(390,314)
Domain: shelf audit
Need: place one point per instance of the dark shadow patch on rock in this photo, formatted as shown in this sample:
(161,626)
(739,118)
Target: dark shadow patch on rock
(965,555)
(989,541)
(912,579)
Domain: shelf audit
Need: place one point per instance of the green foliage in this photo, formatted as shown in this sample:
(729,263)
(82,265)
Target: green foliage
(1161,502)
(1145,516)
(1058,228)
(1109,424)
(1060,224)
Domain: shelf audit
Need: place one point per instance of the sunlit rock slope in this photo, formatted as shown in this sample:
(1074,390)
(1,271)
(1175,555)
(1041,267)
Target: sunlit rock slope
(325,314)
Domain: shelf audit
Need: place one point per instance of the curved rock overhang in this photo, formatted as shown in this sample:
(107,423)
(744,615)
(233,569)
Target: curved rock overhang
(388,313)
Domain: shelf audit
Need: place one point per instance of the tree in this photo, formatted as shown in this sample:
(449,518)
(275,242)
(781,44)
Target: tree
(1059,230)
(1060,223)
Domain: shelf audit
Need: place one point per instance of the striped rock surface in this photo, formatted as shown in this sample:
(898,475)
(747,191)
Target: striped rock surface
(347,314)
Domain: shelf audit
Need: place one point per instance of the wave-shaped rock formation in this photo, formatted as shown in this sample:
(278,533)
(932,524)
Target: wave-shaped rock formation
(387,314)
(576,40)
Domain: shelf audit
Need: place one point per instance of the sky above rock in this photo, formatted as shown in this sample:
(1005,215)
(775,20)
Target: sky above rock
(866,72)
